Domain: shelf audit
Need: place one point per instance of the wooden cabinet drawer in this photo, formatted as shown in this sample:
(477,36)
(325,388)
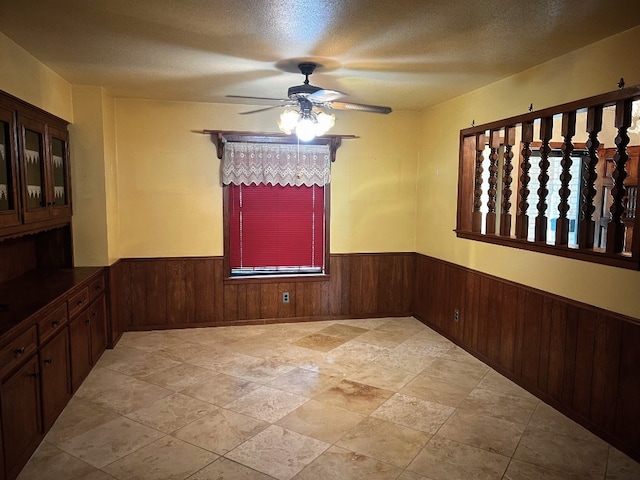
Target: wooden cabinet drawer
(52,323)
(17,350)
(78,301)
(96,287)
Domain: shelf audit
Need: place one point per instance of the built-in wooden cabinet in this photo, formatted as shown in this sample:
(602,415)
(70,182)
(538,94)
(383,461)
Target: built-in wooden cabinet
(55,374)
(21,419)
(88,332)
(35,186)
(52,331)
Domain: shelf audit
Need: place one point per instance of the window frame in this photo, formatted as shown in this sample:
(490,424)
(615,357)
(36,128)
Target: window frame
(228,277)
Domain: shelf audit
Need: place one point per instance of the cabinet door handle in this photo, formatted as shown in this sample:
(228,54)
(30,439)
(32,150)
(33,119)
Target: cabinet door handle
(80,302)
(20,351)
(34,374)
(48,361)
(88,321)
(55,323)
(94,314)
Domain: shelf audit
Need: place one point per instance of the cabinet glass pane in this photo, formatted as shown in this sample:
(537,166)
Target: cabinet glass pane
(6,195)
(34,162)
(59,159)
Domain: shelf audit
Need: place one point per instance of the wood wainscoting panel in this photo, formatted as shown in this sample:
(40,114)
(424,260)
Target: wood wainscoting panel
(580,359)
(155,293)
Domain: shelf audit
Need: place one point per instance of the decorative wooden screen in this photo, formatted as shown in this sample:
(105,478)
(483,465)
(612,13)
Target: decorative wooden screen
(577,179)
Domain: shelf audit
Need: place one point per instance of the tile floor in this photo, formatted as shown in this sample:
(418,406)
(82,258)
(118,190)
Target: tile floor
(355,399)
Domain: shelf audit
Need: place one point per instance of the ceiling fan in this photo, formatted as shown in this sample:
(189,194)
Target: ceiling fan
(309,120)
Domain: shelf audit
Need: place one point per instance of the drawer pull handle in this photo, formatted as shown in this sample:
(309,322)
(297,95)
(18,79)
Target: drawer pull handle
(20,351)
(55,323)
(48,361)
(80,302)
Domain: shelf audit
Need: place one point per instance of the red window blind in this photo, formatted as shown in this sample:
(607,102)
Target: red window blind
(274,228)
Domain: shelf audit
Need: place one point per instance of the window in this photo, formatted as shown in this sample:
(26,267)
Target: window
(276,229)
(572,192)
(276,209)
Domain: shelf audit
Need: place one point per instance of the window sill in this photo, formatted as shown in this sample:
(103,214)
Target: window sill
(280,278)
(594,255)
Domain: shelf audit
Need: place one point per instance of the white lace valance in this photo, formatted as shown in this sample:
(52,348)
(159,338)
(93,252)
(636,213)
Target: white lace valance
(276,164)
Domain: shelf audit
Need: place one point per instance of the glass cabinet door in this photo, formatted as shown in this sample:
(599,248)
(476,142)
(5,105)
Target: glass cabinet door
(9,213)
(34,169)
(60,197)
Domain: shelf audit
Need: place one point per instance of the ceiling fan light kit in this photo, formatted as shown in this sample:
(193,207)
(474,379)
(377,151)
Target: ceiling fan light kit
(307,118)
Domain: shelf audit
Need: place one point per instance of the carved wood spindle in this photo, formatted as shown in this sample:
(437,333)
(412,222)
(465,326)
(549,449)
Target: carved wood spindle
(615,227)
(586,229)
(568,132)
(546,133)
(505,217)
(476,218)
(522,220)
(494,144)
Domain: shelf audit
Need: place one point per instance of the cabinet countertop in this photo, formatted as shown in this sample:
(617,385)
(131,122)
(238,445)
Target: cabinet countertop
(28,294)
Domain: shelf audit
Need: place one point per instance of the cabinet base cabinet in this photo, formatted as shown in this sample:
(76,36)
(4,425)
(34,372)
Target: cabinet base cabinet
(80,340)
(88,338)
(55,378)
(21,421)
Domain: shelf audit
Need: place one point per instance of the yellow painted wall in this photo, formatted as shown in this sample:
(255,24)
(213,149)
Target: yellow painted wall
(24,77)
(88,177)
(589,71)
(169,193)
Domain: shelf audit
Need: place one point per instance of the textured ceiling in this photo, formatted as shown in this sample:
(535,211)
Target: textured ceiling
(407,54)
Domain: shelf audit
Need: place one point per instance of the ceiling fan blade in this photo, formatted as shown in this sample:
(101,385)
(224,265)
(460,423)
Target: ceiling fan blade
(259,98)
(322,96)
(358,107)
(264,109)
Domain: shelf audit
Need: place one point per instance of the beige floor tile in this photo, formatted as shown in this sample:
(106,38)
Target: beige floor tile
(461,373)
(220,431)
(460,355)
(178,377)
(407,475)
(405,359)
(96,475)
(548,419)
(131,361)
(220,389)
(518,470)
(78,417)
(561,453)
(224,361)
(320,420)
(355,396)
(381,339)
(225,469)
(305,382)
(621,467)
(152,341)
(109,442)
(263,371)
(165,459)
(414,413)
(340,464)
(496,382)
(346,332)
(489,433)
(51,463)
(443,459)
(382,376)
(278,452)
(499,405)
(317,341)
(436,390)
(130,396)
(101,380)
(384,441)
(185,351)
(267,404)
(366,323)
(172,412)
